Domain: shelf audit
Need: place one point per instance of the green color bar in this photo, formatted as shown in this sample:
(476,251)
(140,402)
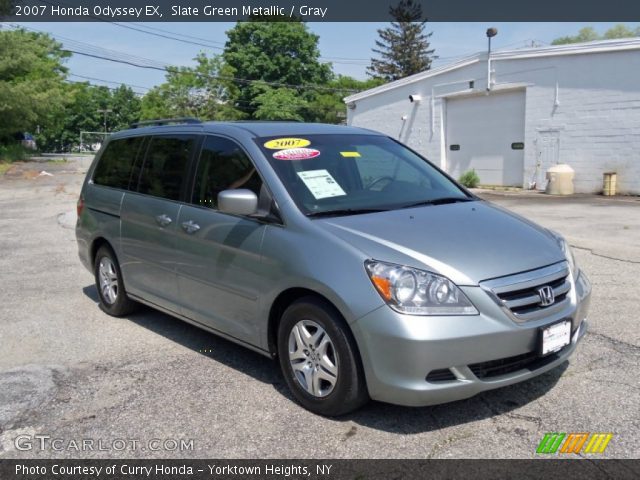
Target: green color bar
(550,442)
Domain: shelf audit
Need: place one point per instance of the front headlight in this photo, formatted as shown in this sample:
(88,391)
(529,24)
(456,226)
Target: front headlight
(568,253)
(417,292)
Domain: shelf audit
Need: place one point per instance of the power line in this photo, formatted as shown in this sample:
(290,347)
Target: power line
(108,81)
(169,32)
(166,36)
(94,51)
(172,36)
(214,77)
(113,89)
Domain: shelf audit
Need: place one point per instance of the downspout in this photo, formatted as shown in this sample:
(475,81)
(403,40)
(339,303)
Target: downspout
(489,67)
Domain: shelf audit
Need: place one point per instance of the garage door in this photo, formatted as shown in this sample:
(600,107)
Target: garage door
(486,133)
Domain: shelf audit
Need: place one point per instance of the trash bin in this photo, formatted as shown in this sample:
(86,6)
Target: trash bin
(609,183)
(560,180)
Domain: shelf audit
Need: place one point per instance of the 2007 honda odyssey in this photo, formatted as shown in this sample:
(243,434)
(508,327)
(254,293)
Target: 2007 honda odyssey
(367,271)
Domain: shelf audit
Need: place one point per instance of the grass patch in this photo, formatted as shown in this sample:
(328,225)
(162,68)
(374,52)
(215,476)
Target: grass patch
(14,152)
(469,179)
(4,167)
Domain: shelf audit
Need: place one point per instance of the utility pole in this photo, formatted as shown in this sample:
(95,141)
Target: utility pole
(105,111)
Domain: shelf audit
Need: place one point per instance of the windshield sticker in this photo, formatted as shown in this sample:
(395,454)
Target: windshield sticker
(350,154)
(321,184)
(296,154)
(281,143)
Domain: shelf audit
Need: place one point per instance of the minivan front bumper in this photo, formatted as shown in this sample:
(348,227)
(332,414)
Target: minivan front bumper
(426,360)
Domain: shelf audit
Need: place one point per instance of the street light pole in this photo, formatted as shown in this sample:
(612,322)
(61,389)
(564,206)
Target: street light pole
(491,32)
(105,111)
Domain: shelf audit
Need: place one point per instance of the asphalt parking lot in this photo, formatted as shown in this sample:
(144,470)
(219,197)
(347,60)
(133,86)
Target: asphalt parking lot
(70,372)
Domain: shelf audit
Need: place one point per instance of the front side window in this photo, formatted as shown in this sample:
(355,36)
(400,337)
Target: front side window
(116,163)
(165,165)
(347,173)
(223,165)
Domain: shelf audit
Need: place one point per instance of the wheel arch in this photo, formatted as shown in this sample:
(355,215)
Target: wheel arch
(95,246)
(282,302)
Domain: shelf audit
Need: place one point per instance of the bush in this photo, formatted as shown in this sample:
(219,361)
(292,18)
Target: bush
(14,152)
(469,179)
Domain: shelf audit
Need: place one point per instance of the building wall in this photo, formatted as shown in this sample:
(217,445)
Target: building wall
(590,101)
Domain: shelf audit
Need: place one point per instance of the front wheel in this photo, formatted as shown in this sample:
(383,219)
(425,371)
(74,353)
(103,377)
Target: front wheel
(113,297)
(319,359)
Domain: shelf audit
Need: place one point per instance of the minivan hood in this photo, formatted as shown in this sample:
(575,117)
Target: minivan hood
(467,242)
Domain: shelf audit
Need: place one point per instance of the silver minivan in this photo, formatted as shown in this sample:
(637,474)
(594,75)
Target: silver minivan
(363,268)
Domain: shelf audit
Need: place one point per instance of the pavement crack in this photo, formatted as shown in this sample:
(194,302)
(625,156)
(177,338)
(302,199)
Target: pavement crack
(447,442)
(634,387)
(608,257)
(595,464)
(615,341)
(528,418)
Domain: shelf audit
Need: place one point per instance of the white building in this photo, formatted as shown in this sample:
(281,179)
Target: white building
(576,104)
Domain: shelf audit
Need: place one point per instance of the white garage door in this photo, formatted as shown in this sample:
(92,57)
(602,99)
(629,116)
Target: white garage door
(486,133)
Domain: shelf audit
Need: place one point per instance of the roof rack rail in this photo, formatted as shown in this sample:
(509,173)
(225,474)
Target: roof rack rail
(165,121)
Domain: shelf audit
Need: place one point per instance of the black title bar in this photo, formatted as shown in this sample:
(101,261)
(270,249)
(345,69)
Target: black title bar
(319,469)
(318,10)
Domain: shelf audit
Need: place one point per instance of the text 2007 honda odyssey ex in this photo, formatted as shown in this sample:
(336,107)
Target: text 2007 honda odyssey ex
(364,269)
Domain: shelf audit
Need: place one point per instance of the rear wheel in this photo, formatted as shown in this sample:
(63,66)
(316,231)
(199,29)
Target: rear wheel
(319,359)
(113,297)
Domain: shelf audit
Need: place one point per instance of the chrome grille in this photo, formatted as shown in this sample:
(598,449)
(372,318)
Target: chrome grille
(520,294)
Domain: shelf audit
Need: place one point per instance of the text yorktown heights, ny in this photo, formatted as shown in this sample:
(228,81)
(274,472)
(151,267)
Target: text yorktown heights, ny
(171,11)
(125,469)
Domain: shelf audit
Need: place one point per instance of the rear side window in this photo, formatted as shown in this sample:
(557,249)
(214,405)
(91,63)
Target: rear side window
(223,165)
(116,163)
(165,165)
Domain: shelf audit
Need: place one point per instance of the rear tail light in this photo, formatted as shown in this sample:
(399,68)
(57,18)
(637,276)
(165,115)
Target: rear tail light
(80,205)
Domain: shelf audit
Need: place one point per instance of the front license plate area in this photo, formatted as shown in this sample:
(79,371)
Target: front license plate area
(555,337)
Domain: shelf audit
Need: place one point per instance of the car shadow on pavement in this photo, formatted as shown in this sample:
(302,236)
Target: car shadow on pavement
(489,404)
(377,415)
(203,342)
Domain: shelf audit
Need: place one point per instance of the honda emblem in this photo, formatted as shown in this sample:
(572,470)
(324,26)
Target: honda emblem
(547,297)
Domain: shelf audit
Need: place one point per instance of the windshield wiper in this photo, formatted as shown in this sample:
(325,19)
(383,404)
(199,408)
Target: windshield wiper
(346,211)
(438,201)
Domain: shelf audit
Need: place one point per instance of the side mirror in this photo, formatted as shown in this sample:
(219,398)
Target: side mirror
(238,202)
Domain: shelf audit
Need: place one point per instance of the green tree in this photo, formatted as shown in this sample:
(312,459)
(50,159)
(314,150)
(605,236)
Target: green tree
(281,52)
(586,34)
(81,113)
(326,106)
(203,91)
(621,31)
(404,46)
(125,106)
(589,34)
(279,104)
(32,75)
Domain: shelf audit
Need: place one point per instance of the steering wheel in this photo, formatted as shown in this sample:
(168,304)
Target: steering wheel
(375,181)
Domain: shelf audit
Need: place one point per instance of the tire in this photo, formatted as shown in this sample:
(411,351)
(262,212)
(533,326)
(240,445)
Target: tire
(320,346)
(113,296)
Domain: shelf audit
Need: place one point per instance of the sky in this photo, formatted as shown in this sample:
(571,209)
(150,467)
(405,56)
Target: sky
(348,45)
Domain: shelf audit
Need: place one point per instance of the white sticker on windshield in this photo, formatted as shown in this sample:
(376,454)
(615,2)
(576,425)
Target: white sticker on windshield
(321,184)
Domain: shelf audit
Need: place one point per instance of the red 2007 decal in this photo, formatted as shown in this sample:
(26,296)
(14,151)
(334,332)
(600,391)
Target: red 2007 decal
(296,154)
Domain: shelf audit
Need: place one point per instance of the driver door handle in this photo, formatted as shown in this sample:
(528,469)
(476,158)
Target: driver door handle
(163,220)
(190,226)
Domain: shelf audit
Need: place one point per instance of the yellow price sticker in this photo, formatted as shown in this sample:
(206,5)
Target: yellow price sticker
(350,154)
(281,143)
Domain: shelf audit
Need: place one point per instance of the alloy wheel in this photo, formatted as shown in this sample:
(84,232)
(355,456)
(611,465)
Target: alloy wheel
(313,358)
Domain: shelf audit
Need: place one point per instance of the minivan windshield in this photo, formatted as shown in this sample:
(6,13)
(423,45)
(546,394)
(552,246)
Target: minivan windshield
(350,174)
